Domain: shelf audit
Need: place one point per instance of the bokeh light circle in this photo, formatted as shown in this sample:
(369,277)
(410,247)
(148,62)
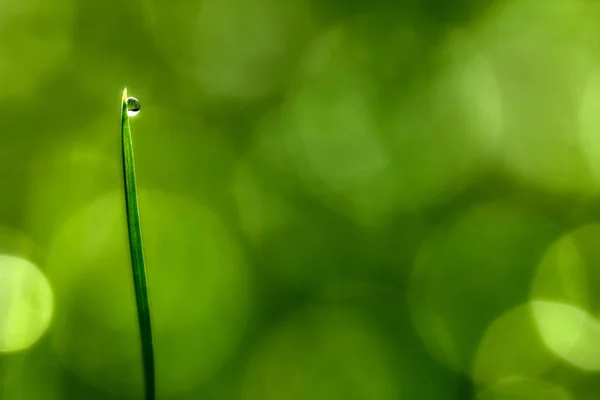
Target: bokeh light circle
(570,332)
(330,127)
(26,303)
(567,304)
(444,129)
(489,254)
(511,346)
(198,285)
(543,58)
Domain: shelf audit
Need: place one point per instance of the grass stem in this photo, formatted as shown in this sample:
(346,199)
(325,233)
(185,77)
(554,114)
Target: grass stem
(137,253)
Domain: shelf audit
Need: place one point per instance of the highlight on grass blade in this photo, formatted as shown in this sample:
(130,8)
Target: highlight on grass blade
(130,107)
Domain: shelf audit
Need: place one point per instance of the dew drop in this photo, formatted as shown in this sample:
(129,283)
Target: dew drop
(133,106)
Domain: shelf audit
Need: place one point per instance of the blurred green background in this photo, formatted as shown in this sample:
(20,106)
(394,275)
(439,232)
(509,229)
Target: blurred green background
(339,199)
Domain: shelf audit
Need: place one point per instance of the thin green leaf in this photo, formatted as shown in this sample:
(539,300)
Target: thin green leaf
(137,252)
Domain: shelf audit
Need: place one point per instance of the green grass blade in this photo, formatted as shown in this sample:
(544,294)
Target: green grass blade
(137,252)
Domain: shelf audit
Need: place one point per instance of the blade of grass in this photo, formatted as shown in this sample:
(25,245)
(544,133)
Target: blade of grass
(137,252)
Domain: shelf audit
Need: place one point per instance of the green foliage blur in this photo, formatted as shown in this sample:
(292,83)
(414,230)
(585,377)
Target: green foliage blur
(340,200)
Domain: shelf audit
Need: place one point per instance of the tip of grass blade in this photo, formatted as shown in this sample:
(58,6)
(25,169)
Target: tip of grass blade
(124,116)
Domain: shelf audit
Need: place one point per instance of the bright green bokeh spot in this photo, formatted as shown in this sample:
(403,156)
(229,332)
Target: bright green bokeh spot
(511,347)
(566,304)
(26,304)
(570,332)
(544,57)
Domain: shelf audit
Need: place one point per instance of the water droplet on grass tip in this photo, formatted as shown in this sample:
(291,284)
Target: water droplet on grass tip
(133,106)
